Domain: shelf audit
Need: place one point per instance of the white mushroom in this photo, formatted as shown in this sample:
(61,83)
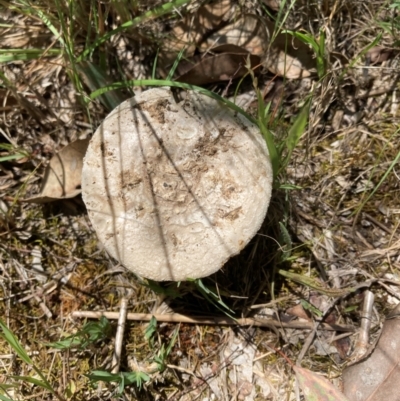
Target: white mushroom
(174,190)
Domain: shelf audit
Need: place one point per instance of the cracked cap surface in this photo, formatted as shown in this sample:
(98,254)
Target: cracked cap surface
(173,190)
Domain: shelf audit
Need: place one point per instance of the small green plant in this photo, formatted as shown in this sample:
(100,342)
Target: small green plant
(42,382)
(158,363)
(161,358)
(91,333)
(393,26)
(150,331)
(123,379)
(318,45)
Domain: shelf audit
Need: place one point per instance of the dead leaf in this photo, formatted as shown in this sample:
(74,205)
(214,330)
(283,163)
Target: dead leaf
(272,4)
(379,54)
(248,32)
(298,311)
(212,14)
(377,377)
(62,178)
(287,56)
(7,101)
(189,33)
(316,387)
(228,63)
(343,347)
(281,53)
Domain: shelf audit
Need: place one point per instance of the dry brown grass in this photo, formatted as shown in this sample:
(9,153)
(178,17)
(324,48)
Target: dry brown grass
(339,233)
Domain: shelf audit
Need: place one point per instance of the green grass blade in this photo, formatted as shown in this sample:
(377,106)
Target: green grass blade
(315,284)
(361,54)
(44,18)
(11,157)
(9,55)
(94,78)
(150,329)
(164,82)
(213,298)
(306,38)
(70,342)
(149,15)
(269,138)
(14,343)
(175,65)
(296,131)
(34,381)
(267,134)
(310,307)
(154,69)
(172,342)
(4,398)
(102,375)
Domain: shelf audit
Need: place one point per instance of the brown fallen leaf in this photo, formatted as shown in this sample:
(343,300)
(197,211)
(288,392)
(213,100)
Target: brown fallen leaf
(62,178)
(377,376)
(299,311)
(379,54)
(7,100)
(343,347)
(248,32)
(190,32)
(272,4)
(316,387)
(287,56)
(229,62)
(281,53)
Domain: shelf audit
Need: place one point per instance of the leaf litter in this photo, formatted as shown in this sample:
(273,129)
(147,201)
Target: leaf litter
(63,176)
(376,376)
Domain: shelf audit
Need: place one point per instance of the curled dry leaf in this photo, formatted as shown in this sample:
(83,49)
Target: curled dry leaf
(316,387)
(377,377)
(287,56)
(281,53)
(299,311)
(248,32)
(188,33)
(62,178)
(272,4)
(227,62)
(379,54)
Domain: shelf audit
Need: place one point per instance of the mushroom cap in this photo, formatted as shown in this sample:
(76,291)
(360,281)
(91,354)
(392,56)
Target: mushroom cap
(173,190)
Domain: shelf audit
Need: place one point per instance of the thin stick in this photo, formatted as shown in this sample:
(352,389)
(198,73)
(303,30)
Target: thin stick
(119,337)
(366,319)
(209,320)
